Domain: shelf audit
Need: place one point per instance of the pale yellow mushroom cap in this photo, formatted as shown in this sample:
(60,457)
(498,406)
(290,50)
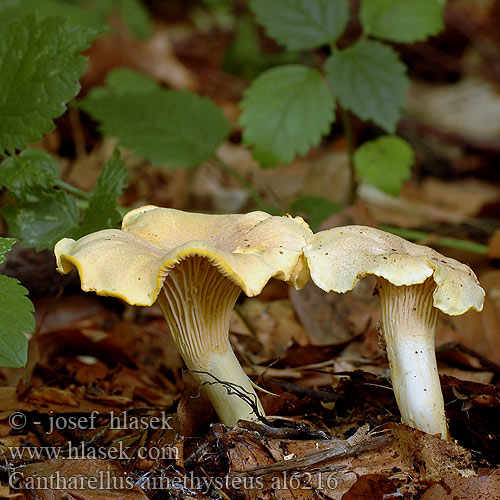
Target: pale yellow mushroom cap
(132,263)
(338,258)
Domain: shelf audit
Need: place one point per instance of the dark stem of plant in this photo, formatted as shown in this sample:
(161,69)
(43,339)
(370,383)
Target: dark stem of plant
(346,125)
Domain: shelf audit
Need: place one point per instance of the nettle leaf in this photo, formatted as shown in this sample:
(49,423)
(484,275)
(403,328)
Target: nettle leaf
(12,10)
(16,316)
(302,24)
(385,163)
(171,127)
(314,209)
(39,70)
(401,20)
(43,223)
(16,319)
(102,211)
(6,245)
(369,79)
(30,174)
(286,111)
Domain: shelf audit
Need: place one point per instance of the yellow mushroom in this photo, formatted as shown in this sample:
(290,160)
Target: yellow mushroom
(413,282)
(195,265)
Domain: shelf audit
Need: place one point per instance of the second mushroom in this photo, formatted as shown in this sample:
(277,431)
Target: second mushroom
(195,265)
(413,282)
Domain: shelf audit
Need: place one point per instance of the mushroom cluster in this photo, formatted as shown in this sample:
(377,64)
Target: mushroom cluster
(196,265)
(413,282)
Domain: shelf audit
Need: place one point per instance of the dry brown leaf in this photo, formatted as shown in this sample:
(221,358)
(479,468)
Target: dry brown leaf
(405,457)
(154,57)
(465,196)
(79,479)
(485,486)
(494,246)
(275,327)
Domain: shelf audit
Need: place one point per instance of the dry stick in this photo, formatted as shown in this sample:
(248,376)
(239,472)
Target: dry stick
(343,449)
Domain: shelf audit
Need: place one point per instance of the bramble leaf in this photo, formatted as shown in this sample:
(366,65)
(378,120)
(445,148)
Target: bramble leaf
(286,111)
(369,79)
(385,163)
(39,70)
(171,127)
(302,24)
(102,212)
(401,20)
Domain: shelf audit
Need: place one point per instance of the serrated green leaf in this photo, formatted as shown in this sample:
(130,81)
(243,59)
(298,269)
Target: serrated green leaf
(401,20)
(39,70)
(171,127)
(369,79)
(16,319)
(30,174)
(75,14)
(102,211)
(128,81)
(6,245)
(314,209)
(385,163)
(302,24)
(137,17)
(286,111)
(42,224)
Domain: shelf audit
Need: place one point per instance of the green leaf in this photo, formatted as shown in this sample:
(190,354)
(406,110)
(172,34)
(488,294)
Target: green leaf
(244,56)
(6,245)
(137,17)
(171,127)
(16,319)
(75,14)
(39,72)
(127,81)
(102,211)
(385,163)
(314,209)
(401,20)
(302,24)
(286,111)
(369,79)
(43,223)
(30,174)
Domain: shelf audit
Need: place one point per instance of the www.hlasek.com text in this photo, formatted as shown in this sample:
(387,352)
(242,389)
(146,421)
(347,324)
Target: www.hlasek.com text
(84,452)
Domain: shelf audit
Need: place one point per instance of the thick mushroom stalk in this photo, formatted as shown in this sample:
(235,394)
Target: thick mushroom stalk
(413,282)
(197,301)
(195,265)
(409,322)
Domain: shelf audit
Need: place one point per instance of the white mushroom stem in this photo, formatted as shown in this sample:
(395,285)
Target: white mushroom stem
(409,322)
(197,301)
